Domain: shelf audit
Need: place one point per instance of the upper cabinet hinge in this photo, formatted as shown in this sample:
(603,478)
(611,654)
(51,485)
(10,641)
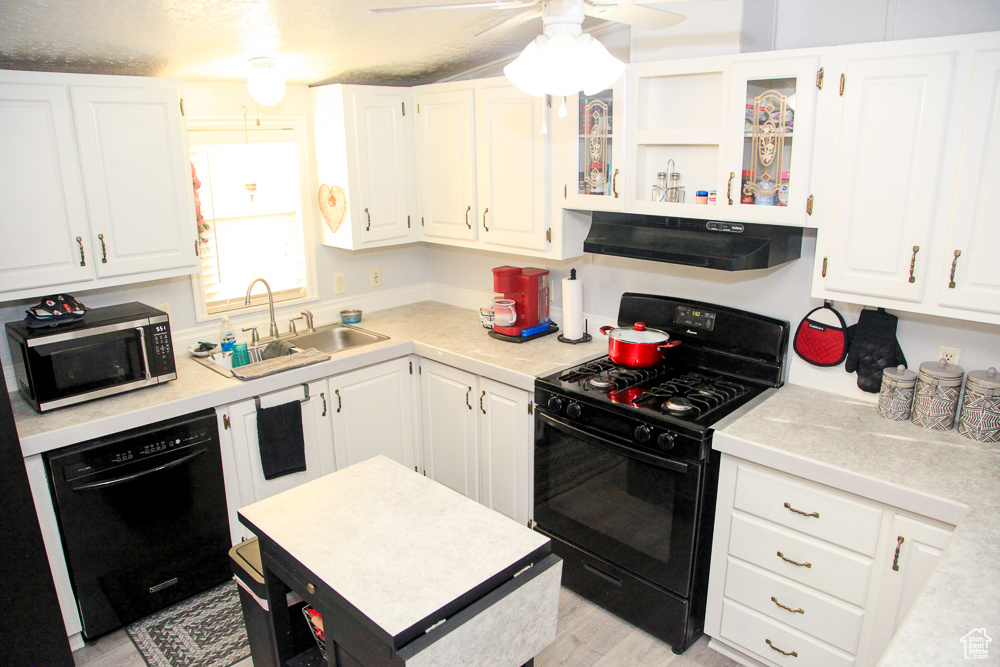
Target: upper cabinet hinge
(407,222)
(418,107)
(565,190)
(531,408)
(421,221)
(182,106)
(196,253)
(404,107)
(548,235)
(809,205)
(843,80)
(824,267)
(225,422)
(411,368)
(819,78)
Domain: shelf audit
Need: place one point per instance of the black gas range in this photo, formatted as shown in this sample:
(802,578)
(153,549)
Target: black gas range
(625,477)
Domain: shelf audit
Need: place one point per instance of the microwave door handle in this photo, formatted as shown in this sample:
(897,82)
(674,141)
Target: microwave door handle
(128,478)
(145,356)
(587,436)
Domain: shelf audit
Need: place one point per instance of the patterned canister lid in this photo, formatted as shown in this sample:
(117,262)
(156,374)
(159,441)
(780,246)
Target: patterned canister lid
(901,375)
(942,370)
(984,382)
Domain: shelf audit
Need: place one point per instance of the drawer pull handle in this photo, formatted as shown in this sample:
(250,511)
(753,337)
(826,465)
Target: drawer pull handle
(792,509)
(791,653)
(895,559)
(789,560)
(794,611)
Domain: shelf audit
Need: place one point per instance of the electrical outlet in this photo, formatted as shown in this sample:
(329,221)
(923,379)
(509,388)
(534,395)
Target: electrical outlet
(950,353)
(376,276)
(339,283)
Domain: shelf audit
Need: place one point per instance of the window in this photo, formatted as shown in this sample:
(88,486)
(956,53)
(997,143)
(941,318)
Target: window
(249,199)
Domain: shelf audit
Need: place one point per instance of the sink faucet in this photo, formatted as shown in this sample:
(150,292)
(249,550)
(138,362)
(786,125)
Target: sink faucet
(270,304)
(309,321)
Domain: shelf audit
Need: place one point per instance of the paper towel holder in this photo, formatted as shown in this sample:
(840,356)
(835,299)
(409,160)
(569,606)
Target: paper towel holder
(583,339)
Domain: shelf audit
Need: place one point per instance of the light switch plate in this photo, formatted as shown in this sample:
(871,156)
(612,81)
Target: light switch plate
(339,283)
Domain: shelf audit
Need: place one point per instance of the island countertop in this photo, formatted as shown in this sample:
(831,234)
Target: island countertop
(844,443)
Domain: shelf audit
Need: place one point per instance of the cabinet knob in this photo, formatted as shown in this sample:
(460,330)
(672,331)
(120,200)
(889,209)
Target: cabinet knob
(311,589)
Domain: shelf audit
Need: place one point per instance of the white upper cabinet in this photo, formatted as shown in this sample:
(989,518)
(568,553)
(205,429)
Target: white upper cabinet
(364,147)
(595,176)
(912,169)
(769,145)
(971,280)
(95,185)
(446,162)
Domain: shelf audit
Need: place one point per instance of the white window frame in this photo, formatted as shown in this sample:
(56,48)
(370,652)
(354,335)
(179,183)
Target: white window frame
(299,127)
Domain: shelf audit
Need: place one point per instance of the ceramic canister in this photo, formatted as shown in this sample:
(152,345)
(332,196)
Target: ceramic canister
(980,418)
(935,400)
(896,396)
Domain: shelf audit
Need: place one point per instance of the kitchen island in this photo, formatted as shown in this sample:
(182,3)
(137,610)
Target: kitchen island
(405,571)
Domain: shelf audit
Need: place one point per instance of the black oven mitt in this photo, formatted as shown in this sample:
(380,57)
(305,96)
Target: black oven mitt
(872,348)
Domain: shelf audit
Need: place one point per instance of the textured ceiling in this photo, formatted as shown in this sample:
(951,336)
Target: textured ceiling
(211,40)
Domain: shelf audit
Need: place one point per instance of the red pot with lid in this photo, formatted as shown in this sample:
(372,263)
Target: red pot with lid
(637,347)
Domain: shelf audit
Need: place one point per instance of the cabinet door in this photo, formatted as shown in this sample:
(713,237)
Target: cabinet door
(769,139)
(137,179)
(450,427)
(246,447)
(505,430)
(914,550)
(383,153)
(888,168)
(510,168)
(372,414)
(971,280)
(446,163)
(595,180)
(44,239)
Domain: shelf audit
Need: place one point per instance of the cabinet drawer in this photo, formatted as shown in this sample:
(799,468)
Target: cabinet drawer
(825,568)
(834,622)
(789,502)
(753,632)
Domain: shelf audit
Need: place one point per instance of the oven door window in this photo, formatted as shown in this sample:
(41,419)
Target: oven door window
(85,365)
(637,514)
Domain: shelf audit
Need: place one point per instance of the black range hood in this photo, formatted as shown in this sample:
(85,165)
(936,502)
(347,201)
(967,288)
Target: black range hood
(712,244)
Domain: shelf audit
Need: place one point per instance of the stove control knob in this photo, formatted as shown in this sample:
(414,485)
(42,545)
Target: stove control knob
(665,441)
(555,403)
(574,410)
(642,433)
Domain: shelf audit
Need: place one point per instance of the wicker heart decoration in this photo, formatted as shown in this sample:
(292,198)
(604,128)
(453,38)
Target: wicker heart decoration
(332,205)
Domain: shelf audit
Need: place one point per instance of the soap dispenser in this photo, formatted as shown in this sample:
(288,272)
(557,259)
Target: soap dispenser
(227,339)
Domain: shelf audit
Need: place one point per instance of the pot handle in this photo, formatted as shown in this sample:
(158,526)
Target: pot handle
(673,343)
(605,330)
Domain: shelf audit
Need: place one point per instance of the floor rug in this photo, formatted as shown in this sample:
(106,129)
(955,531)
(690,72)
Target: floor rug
(206,630)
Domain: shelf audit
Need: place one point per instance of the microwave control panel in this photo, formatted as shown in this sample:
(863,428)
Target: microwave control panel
(161,357)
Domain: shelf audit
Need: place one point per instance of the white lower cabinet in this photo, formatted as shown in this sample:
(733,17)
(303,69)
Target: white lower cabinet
(477,437)
(371,412)
(805,574)
(239,436)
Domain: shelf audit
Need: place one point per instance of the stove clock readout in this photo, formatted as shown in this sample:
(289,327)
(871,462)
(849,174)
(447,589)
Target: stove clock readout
(694,318)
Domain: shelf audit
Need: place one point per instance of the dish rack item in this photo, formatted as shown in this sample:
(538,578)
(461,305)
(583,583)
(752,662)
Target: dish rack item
(317,634)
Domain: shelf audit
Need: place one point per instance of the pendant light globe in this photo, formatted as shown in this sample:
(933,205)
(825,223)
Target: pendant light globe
(265,83)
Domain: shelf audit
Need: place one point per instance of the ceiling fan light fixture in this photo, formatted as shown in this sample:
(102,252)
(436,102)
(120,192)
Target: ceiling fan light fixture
(563,64)
(265,84)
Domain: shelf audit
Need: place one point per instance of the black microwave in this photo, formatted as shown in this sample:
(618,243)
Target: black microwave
(111,350)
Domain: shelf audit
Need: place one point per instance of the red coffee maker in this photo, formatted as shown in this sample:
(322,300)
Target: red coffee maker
(529,289)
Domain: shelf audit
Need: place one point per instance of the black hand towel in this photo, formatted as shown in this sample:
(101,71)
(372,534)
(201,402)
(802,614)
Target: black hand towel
(279,438)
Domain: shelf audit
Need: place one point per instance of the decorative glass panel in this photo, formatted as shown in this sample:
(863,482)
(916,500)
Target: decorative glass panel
(595,144)
(770,111)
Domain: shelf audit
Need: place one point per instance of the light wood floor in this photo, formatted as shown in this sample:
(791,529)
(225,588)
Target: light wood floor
(588,636)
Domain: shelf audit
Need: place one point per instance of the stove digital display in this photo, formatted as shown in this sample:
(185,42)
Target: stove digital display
(695,318)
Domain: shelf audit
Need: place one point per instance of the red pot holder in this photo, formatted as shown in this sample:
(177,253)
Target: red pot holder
(821,338)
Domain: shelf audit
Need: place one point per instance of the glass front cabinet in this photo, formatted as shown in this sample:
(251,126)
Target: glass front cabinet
(596,179)
(769,140)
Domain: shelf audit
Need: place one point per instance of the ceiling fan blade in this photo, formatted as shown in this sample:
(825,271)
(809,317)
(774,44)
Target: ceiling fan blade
(637,15)
(494,4)
(512,22)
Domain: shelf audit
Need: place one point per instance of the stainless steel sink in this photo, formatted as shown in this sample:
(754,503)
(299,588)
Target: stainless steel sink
(336,337)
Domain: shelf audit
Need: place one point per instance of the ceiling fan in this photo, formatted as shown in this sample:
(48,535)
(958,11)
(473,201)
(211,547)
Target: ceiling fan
(562,11)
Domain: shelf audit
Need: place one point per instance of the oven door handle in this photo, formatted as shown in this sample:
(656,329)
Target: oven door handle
(586,436)
(128,478)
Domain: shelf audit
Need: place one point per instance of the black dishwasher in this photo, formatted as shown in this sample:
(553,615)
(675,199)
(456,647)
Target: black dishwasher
(143,518)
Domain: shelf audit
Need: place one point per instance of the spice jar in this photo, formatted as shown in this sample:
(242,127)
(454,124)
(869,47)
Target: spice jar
(935,400)
(896,396)
(746,191)
(980,420)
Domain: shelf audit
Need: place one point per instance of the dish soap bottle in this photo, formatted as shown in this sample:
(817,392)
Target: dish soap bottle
(227,339)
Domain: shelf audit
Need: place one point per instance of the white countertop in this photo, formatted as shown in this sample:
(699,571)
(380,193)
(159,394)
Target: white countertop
(395,544)
(437,331)
(844,443)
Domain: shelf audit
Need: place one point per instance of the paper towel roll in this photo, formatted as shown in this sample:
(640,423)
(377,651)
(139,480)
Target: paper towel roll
(572,307)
